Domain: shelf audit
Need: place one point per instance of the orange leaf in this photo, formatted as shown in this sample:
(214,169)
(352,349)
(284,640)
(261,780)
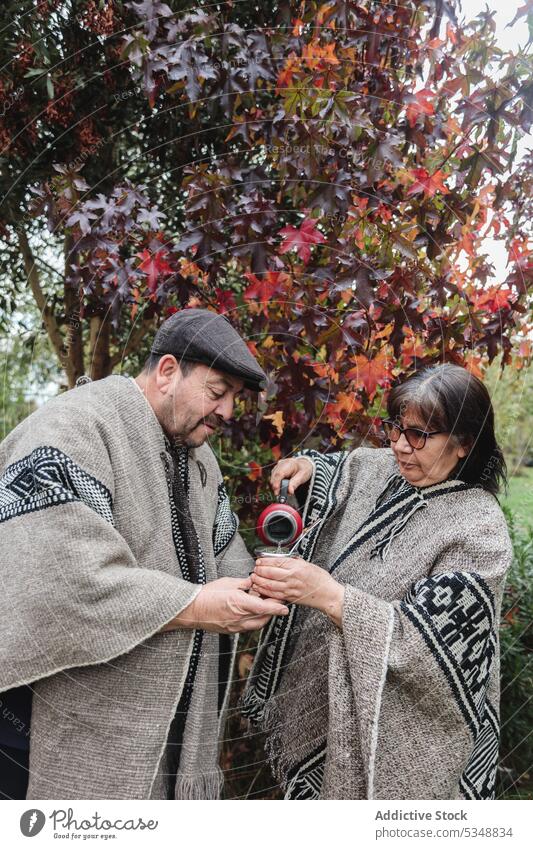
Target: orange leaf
(339,410)
(426,183)
(277,420)
(420,105)
(255,471)
(245,664)
(371,373)
(492,299)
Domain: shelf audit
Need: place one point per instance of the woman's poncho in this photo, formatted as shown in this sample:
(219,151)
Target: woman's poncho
(403,701)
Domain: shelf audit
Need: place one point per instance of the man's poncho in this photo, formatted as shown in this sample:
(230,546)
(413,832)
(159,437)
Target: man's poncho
(92,568)
(403,701)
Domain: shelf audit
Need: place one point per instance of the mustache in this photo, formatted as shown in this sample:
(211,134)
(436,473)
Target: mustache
(214,421)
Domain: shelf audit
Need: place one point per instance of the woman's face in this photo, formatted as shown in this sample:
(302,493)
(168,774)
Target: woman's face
(430,464)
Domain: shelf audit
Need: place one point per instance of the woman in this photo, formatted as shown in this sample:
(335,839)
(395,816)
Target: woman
(383,681)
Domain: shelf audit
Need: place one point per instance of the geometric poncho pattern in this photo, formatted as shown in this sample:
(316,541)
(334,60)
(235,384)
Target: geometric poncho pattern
(450,620)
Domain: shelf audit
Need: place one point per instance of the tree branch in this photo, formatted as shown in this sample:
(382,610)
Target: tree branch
(134,340)
(47,315)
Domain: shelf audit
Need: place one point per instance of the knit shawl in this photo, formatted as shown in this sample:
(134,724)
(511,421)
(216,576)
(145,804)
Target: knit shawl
(402,702)
(93,568)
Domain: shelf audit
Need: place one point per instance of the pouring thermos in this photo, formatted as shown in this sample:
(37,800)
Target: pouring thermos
(279,523)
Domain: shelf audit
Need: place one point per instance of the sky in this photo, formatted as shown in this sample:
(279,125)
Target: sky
(509,38)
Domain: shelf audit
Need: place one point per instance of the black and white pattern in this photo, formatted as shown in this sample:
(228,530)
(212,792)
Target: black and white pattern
(226,522)
(321,499)
(183,468)
(47,478)
(454,612)
(275,640)
(305,780)
(181,455)
(479,778)
(397,503)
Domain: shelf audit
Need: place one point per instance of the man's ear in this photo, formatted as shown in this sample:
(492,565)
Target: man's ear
(167,371)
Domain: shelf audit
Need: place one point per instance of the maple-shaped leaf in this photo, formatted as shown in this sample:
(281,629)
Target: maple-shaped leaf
(154,265)
(225,300)
(493,299)
(428,184)
(317,57)
(278,421)
(420,105)
(81,218)
(301,238)
(371,373)
(265,287)
(519,250)
(339,410)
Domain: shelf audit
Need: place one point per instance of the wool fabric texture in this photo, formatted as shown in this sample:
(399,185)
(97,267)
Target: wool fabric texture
(94,565)
(402,701)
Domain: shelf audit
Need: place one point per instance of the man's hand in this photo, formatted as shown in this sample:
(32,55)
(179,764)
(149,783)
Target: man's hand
(224,607)
(297,469)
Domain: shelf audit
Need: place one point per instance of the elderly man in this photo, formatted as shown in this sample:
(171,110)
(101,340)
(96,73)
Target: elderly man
(124,577)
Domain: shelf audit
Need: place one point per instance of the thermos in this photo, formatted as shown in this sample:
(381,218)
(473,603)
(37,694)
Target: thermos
(279,523)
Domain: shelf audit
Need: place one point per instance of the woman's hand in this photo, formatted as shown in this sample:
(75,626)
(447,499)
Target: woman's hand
(297,469)
(297,581)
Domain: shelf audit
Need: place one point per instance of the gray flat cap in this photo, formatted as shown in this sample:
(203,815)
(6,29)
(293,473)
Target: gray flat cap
(202,336)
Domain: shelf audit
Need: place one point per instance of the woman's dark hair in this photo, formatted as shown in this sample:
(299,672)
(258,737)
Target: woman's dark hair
(450,398)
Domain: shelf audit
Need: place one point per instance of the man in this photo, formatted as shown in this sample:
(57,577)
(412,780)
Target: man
(123,570)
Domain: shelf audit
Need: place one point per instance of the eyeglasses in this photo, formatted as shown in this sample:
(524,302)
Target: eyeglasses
(415,437)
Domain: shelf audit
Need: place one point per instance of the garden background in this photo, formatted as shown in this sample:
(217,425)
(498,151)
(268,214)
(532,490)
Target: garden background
(350,182)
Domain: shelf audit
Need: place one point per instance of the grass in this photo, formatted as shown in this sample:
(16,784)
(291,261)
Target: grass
(520,497)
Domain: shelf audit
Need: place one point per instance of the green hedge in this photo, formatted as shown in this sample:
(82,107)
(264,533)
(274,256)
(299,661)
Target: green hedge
(516,636)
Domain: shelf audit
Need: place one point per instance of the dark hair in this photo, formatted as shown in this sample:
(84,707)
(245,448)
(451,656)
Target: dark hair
(450,398)
(152,361)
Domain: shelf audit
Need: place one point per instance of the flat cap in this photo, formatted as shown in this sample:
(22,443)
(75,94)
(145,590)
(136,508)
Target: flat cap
(202,336)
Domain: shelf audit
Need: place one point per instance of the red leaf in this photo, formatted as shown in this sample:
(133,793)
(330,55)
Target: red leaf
(427,183)
(154,265)
(265,287)
(301,238)
(420,105)
(225,300)
(492,299)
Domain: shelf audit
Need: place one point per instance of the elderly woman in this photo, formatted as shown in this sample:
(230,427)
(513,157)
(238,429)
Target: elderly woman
(383,681)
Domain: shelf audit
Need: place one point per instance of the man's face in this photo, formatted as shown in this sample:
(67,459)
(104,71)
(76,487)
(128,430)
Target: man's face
(194,406)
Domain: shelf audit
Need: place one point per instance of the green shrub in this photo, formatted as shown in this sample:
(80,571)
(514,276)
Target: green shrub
(515,778)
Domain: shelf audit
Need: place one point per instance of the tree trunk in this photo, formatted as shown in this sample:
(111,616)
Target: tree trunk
(100,361)
(74,335)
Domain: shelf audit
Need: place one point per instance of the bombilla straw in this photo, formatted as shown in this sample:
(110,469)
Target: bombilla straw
(304,532)
(312,525)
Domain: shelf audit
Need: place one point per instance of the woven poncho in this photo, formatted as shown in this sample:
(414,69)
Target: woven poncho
(93,566)
(402,702)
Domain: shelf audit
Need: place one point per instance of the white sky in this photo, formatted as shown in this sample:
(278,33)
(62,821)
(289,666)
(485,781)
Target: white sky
(509,38)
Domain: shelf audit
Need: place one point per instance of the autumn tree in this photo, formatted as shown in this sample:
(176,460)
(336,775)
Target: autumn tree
(325,174)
